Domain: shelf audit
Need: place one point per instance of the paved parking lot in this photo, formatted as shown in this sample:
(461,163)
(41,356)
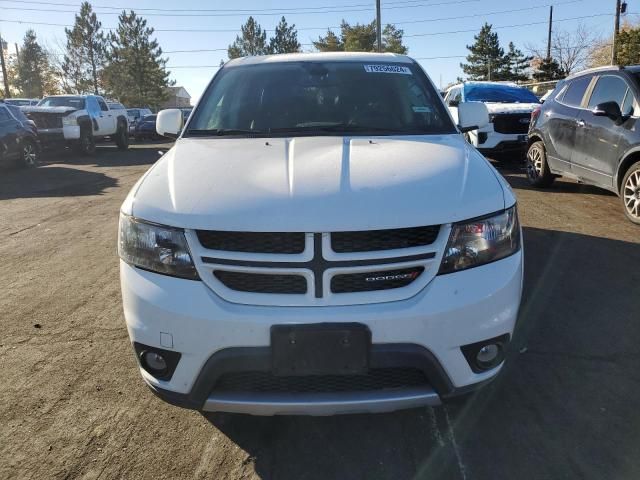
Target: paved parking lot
(72,404)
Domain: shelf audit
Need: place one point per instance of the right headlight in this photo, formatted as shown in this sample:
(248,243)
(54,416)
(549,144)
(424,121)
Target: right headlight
(153,247)
(481,241)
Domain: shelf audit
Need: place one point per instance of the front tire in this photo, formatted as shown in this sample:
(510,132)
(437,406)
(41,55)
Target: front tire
(538,172)
(86,144)
(122,138)
(29,154)
(630,193)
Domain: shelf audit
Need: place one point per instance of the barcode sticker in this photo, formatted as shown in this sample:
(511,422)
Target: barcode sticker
(387,69)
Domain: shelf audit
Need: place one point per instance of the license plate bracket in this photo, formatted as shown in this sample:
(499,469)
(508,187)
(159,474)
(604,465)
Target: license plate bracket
(320,349)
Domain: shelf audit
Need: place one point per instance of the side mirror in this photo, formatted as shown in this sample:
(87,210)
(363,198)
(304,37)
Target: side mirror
(608,109)
(169,123)
(472,116)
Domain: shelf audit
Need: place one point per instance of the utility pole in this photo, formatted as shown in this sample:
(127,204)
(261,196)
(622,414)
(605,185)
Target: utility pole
(378,26)
(549,36)
(489,69)
(17,54)
(616,30)
(7,93)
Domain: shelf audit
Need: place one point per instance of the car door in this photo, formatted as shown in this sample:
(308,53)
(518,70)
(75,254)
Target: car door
(599,140)
(9,127)
(106,120)
(561,123)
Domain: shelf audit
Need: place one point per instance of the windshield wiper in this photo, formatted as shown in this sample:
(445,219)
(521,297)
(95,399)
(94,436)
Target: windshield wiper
(221,131)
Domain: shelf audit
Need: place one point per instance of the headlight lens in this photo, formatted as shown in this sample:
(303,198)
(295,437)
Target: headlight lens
(155,247)
(69,121)
(482,241)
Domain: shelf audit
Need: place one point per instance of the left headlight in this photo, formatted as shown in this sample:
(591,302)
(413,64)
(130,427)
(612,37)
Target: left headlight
(69,121)
(156,248)
(481,241)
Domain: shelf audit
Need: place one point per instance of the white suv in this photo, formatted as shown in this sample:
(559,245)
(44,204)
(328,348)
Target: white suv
(509,106)
(313,246)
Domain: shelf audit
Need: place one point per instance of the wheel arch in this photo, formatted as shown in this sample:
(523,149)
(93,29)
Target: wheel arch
(629,158)
(535,137)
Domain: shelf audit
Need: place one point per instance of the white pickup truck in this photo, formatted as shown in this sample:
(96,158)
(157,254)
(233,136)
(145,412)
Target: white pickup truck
(77,121)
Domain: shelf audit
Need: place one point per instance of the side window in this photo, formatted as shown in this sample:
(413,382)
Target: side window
(609,88)
(103,105)
(576,90)
(629,105)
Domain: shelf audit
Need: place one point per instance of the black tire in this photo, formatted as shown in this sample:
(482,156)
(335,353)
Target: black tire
(630,193)
(87,144)
(538,172)
(122,138)
(29,154)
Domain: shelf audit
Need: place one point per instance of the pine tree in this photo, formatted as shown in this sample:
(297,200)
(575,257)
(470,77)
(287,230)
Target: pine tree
(136,74)
(285,39)
(33,73)
(487,59)
(361,38)
(515,65)
(86,52)
(329,43)
(548,69)
(392,40)
(252,42)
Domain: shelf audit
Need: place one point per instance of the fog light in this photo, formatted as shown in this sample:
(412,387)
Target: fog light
(487,355)
(154,362)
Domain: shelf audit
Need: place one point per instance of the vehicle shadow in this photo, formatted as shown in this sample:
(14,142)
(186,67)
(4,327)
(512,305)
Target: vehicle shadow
(52,181)
(108,155)
(559,409)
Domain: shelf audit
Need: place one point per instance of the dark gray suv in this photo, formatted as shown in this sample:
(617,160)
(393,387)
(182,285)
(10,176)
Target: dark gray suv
(589,130)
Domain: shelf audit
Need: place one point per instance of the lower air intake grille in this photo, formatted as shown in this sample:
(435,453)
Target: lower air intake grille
(374,240)
(252,242)
(376,379)
(262,283)
(371,281)
(512,123)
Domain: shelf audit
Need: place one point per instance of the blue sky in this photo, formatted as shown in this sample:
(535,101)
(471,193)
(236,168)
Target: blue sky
(431,21)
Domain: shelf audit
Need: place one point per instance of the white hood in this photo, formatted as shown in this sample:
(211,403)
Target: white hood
(317,184)
(511,107)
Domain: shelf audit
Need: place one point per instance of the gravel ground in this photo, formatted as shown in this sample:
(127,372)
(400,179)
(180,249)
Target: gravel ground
(72,404)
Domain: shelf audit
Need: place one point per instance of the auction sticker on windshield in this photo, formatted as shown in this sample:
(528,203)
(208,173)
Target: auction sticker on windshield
(387,69)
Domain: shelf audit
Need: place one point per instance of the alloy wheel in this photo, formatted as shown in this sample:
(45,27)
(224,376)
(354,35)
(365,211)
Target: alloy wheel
(29,154)
(631,194)
(534,163)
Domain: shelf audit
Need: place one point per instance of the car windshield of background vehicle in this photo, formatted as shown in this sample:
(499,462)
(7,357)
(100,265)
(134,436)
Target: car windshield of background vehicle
(493,93)
(149,118)
(321,98)
(75,102)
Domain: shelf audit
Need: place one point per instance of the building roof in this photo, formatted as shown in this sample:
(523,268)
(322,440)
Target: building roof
(179,92)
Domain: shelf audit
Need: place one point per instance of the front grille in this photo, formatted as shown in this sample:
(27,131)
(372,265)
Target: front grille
(374,240)
(262,283)
(375,379)
(47,120)
(253,242)
(511,123)
(371,281)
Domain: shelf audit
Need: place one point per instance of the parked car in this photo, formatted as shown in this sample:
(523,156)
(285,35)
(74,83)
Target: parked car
(510,108)
(21,102)
(185,113)
(310,246)
(146,128)
(587,130)
(134,115)
(78,121)
(18,137)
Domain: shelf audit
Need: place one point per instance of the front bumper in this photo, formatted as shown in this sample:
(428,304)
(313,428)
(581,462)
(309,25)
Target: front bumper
(451,311)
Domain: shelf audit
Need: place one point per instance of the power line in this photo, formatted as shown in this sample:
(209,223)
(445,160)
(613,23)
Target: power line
(240,13)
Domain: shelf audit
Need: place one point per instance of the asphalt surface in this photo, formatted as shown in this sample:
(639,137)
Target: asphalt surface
(72,404)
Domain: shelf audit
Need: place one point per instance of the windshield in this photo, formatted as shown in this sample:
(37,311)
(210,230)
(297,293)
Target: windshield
(315,98)
(19,102)
(133,113)
(75,102)
(493,92)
